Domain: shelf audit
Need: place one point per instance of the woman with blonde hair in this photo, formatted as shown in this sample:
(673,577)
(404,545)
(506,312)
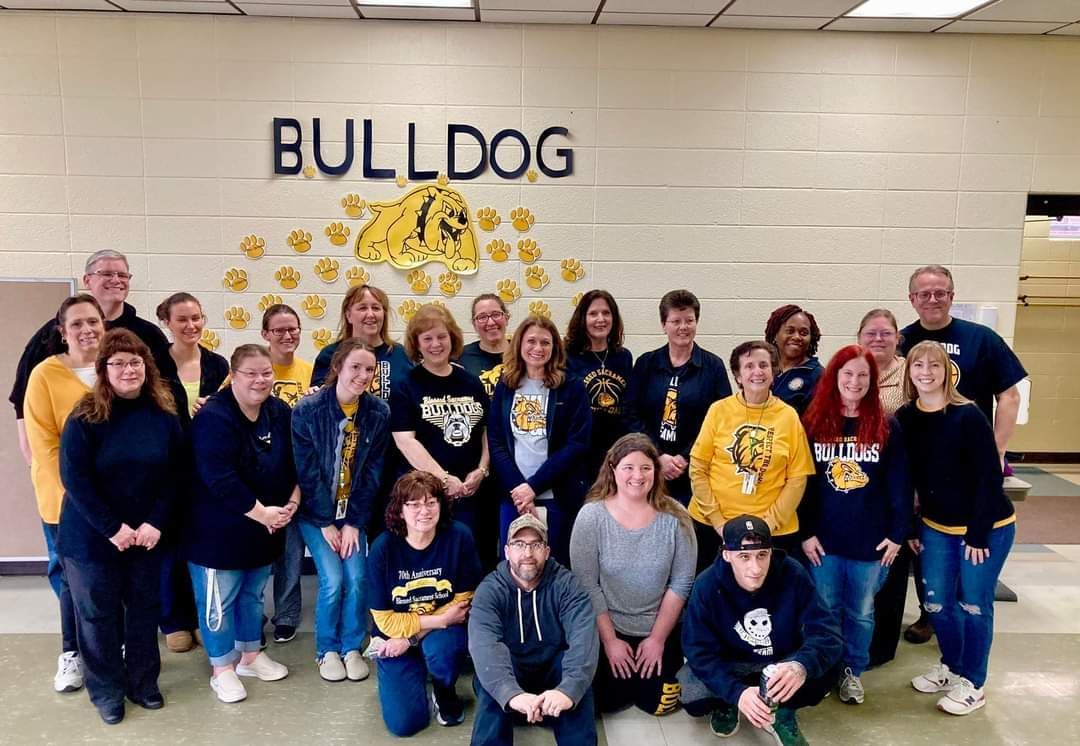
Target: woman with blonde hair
(538,433)
(633,549)
(968,524)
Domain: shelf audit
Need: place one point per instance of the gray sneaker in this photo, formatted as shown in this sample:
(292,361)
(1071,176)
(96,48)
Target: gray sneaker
(850,689)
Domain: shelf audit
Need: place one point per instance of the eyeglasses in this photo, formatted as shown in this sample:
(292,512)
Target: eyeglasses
(251,375)
(529,546)
(925,295)
(415,505)
(884,334)
(289,331)
(106,274)
(120,365)
(482,318)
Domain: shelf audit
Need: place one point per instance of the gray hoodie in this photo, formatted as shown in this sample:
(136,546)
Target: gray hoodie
(514,633)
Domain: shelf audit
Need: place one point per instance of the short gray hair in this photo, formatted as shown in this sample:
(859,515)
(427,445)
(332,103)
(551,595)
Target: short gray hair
(98,256)
(930,269)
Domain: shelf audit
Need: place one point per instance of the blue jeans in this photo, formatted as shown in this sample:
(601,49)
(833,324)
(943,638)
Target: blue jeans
(341,608)
(959,598)
(403,680)
(559,523)
(847,588)
(58,581)
(230,605)
(287,601)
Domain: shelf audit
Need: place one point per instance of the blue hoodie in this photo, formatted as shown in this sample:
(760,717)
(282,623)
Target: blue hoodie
(514,633)
(729,633)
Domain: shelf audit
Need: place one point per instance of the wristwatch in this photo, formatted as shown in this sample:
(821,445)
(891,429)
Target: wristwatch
(414,640)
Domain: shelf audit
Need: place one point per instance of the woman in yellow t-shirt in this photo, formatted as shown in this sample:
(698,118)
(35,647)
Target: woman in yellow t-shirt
(751,456)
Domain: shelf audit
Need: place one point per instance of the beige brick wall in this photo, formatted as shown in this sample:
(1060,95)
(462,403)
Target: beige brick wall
(753,167)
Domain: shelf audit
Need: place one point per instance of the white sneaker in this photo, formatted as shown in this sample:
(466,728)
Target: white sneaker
(851,689)
(263,667)
(331,668)
(963,699)
(69,675)
(937,679)
(356,668)
(1013,482)
(228,687)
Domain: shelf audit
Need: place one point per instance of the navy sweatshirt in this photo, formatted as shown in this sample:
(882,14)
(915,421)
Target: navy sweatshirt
(606,377)
(729,633)
(795,386)
(129,469)
(237,462)
(860,494)
(954,466)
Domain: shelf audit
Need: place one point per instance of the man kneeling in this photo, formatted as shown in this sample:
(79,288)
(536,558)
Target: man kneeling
(755,606)
(533,640)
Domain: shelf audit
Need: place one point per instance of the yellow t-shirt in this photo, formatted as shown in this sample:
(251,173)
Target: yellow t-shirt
(741,446)
(191,389)
(348,455)
(291,381)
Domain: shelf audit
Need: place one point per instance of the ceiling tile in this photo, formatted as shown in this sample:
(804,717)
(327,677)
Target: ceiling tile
(537,16)
(801,8)
(1063,11)
(546,5)
(784,22)
(886,24)
(998,27)
(178,6)
(57,5)
(422,14)
(297,11)
(653,19)
(1073,30)
(667,7)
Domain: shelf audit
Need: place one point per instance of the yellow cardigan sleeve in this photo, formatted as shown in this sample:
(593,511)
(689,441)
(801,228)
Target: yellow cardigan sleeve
(43,434)
(704,503)
(407,623)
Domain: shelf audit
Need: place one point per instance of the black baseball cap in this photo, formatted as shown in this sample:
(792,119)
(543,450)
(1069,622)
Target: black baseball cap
(745,525)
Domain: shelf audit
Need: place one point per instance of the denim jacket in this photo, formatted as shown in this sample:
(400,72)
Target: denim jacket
(318,428)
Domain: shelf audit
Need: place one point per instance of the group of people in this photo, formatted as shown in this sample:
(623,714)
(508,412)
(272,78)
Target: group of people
(542,504)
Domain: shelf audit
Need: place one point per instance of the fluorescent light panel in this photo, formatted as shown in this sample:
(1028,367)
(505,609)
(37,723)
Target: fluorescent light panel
(914,8)
(418,3)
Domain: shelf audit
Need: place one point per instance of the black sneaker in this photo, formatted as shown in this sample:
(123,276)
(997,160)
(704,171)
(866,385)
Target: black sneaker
(449,709)
(724,721)
(284,633)
(785,729)
(112,714)
(262,635)
(151,701)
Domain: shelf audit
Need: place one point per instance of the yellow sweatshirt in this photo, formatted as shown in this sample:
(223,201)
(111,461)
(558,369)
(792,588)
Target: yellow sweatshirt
(739,440)
(52,392)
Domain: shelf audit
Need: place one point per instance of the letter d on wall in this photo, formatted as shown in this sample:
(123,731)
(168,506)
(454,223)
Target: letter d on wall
(280,148)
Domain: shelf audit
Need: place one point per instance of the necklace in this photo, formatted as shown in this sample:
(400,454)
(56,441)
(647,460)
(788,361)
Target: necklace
(601,360)
(752,475)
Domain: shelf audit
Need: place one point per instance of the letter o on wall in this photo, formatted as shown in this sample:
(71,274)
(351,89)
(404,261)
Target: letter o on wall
(525,160)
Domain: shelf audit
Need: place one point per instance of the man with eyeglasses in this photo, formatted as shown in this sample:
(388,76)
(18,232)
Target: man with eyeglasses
(533,641)
(108,279)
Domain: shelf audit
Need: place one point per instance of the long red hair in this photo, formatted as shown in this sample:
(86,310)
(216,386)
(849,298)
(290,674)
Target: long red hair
(824,418)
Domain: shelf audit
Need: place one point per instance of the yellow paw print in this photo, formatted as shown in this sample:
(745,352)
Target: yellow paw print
(210,339)
(269,300)
(498,250)
(252,246)
(572,271)
(338,233)
(314,306)
(522,219)
(443,180)
(536,277)
(528,251)
(354,206)
(489,219)
(508,290)
(532,176)
(357,276)
(539,308)
(300,241)
(237,317)
(287,277)
(401,181)
(408,309)
(576,299)
(419,281)
(327,269)
(320,338)
(309,172)
(449,284)
(235,280)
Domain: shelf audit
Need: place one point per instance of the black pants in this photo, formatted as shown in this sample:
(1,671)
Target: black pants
(658,695)
(699,700)
(889,606)
(177,599)
(118,603)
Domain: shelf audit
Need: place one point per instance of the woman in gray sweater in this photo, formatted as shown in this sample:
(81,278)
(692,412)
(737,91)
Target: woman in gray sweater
(634,550)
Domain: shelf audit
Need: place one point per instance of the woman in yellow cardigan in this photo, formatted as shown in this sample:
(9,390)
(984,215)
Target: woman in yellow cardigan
(55,386)
(751,456)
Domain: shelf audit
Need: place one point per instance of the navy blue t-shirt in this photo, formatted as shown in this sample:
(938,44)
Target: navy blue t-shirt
(795,386)
(487,366)
(392,365)
(606,376)
(983,365)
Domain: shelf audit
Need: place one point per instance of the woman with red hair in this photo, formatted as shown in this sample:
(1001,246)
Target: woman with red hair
(857,508)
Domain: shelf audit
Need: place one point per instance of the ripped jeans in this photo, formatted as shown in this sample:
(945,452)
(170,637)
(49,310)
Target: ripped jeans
(959,598)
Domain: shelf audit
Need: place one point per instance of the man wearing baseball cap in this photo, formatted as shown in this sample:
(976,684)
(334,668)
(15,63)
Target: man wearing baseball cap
(533,641)
(755,606)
